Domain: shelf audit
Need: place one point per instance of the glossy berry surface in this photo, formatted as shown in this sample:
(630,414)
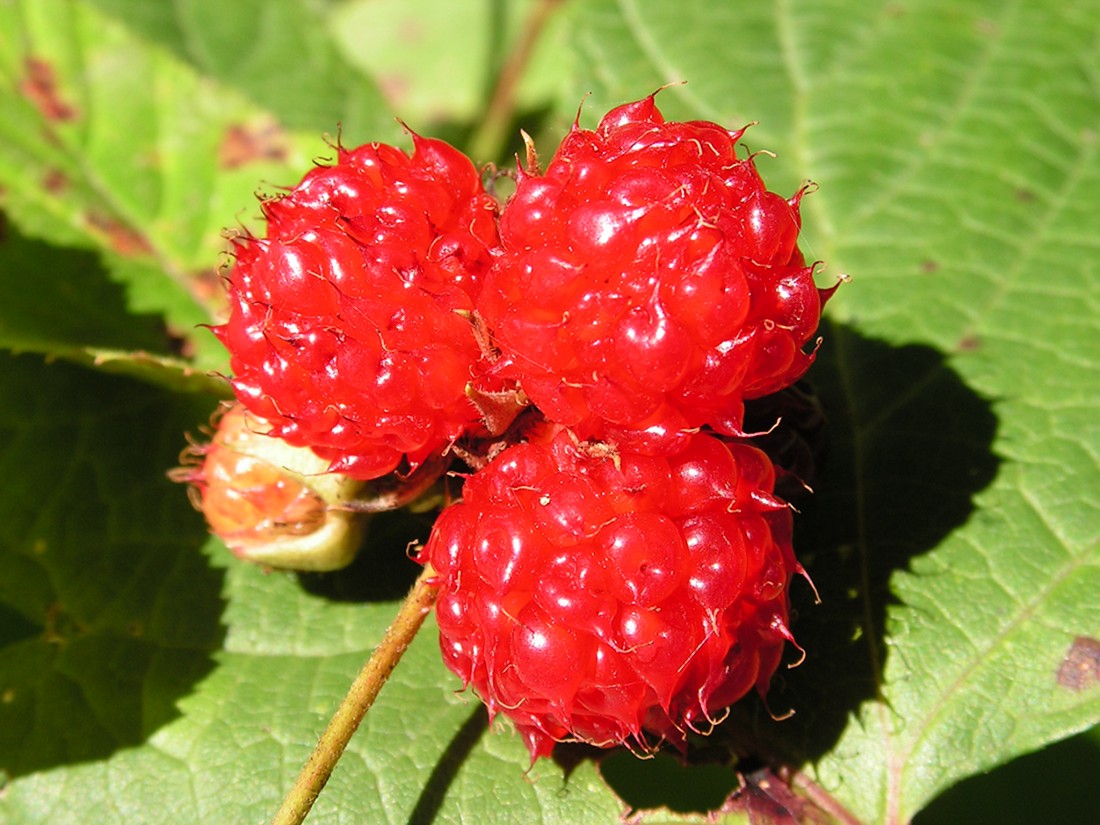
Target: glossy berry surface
(613,597)
(649,282)
(350,321)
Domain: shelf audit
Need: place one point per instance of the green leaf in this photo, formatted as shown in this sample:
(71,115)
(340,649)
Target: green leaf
(75,312)
(411,49)
(110,613)
(147,676)
(111,144)
(1057,784)
(72,303)
(277,53)
(956,150)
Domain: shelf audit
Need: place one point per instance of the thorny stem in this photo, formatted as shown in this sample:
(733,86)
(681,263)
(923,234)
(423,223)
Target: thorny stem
(488,142)
(360,696)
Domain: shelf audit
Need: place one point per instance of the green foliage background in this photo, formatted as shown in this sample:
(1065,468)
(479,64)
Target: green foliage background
(146,676)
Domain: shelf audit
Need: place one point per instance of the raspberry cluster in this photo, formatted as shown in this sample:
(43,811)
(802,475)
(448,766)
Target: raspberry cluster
(616,568)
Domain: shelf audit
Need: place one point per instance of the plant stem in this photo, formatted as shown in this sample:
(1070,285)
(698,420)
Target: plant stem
(822,799)
(491,136)
(360,696)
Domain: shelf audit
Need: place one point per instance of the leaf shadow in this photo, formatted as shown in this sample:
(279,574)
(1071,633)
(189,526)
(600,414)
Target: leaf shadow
(909,446)
(111,610)
(74,305)
(382,571)
(447,767)
(1055,784)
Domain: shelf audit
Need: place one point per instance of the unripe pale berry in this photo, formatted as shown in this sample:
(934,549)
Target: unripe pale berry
(271,503)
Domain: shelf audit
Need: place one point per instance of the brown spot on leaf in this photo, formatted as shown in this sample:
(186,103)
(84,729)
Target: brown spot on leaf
(121,238)
(180,343)
(394,86)
(39,86)
(258,140)
(1080,669)
(60,626)
(968,343)
(1024,195)
(410,30)
(928,266)
(55,181)
(987,28)
(207,285)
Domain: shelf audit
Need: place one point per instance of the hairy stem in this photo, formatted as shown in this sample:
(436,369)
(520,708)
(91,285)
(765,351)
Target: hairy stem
(491,136)
(361,695)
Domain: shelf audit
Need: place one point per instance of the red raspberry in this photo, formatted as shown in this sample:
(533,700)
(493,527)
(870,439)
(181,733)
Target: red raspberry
(649,282)
(605,597)
(350,322)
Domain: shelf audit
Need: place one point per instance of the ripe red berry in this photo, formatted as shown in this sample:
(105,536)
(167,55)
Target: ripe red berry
(612,597)
(350,325)
(649,282)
